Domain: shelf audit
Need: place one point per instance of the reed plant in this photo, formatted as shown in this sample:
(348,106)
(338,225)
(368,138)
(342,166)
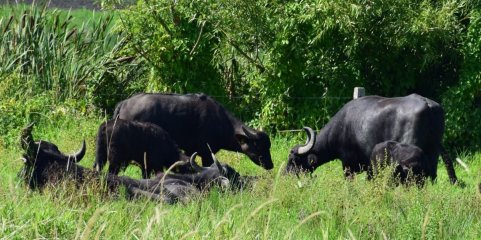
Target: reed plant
(49,51)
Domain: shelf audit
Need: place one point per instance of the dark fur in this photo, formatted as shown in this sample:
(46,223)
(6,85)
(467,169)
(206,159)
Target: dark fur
(364,122)
(120,142)
(195,120)
(204,177)
(46,165)
(407,160)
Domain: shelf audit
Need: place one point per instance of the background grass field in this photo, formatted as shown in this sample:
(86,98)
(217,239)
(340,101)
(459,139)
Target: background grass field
(325,206)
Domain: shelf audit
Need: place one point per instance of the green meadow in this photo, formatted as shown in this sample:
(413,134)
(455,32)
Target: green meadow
(324,206)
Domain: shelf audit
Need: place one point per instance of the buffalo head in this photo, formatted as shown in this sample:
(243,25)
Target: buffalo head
(302,157)
(256,145)
(218,173)
(43,160)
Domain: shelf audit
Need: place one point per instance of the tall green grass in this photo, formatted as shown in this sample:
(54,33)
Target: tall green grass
(52,50)
(56,61)
(325,206)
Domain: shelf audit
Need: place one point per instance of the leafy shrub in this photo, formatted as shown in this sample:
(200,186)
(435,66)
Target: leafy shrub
(177,50)
(462,102)
(294,63)
(16,112)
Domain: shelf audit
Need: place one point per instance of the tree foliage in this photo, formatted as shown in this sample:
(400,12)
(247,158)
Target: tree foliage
(295,62)
(463,100)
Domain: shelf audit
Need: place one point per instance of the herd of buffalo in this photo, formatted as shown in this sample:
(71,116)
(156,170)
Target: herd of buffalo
(163,134)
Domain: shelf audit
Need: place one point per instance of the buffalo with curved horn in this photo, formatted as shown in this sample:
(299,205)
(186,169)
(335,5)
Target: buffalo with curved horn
(42,158)
(46,165)
(362,123)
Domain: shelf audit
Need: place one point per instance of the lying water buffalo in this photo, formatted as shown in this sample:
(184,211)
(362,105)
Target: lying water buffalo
(407,160)
(120,141)
(364,122)
(46,165)
(195,120)
(203,176)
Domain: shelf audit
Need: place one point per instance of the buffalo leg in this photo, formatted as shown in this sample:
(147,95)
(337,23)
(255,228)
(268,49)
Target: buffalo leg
(448,162)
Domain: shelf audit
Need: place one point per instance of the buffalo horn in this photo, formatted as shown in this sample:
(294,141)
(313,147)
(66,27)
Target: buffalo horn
(194,164)
(311,137)
(218,165)
(78,155)
(250,134)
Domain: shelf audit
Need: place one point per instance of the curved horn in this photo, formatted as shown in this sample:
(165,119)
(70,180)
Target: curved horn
(249,133)
(80,154)
(311,138)
(219,166)
(194,164)
(217,163)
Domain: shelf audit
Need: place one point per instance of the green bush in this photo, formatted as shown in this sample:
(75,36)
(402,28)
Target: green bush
(178,51)
(294,63)
(462,102)
(17,112)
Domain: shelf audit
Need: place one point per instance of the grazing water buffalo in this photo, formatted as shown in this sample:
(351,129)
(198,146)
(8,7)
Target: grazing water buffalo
(407,160)
(195,120)
(46,165)
(364,122)
(120,141)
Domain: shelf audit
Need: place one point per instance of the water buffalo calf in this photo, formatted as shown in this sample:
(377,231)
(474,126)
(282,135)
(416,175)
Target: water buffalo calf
(407,160)
(120,142)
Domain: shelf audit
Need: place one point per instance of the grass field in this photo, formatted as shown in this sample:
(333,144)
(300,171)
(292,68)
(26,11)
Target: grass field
(325,206)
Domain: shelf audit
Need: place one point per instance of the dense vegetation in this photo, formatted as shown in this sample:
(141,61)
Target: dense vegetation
(275,64)
(288,63)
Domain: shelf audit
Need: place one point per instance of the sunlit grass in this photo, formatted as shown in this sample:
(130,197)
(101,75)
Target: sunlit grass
(325,206)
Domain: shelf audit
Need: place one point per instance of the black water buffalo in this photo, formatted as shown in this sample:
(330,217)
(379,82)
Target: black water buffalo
(406,159)
(362,123)
(46,165)
(182,187)
(120,142)
(202,177)
(195,120)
